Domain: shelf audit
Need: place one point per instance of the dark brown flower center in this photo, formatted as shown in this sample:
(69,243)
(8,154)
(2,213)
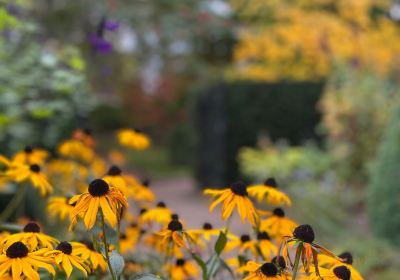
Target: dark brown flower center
(174,216)
(347,257)
(161,204)
(65,247)
(245,238)
(32,227)
(114,171)
(305,233)
(123,236)
(271,182)
(180,262)
(263,235)
(279,262)
(35,168)
(279,212)
(98,187)
(28,149)
(342,272)
(269,269)
(146,182)
(207,226)
(239,189)
(17,250)
(142,211)
(175,225)
(87,131)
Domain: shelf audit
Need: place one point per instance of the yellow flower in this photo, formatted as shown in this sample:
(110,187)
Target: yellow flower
(86,251)
(99,195)
(207,232)
(33,173)
(266,246)
(266,271)
(174,233)
(235,196)
(183,269)
(30,156)
(85,136)
(142,192)
(128,240)
(31,237)
(269,190)
(75,149)
(134,139)
(115,179)
(22,264)
(59,207)
(64,258)
(345,259)
(160,214)
(340,272)
(277,225)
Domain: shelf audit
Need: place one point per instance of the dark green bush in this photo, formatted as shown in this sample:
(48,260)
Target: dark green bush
(384,187)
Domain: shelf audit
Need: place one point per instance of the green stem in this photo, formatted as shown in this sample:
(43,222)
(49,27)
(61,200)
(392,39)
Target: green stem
(297,259)
(103,227)
(13,204)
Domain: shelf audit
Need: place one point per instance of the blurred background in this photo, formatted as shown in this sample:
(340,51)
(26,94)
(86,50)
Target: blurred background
(306,91)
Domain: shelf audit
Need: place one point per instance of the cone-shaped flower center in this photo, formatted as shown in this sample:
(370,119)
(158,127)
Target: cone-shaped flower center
(263,235)
(123,236)
(269,269)
(347,257)
(142,211)
(161,204)
(245,238)
(342,272)
(137,130)
(175,225)
(17,250)
(279,212)
(271,182)
(239,189)
(28,149)
(35,168)
(32,227)
(146,182)
(98,187)
(174,216)
(65,247)
(114,171)
(279,261)
(207,226)
(305,233)
(180,262)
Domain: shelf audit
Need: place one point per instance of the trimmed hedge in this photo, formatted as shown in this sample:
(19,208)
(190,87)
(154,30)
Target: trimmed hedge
(229,116)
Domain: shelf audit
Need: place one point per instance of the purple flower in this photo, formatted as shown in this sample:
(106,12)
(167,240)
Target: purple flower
(99,44)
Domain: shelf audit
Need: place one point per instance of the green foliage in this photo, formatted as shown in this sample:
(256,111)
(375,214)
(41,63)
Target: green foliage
(43,91)
(384,187)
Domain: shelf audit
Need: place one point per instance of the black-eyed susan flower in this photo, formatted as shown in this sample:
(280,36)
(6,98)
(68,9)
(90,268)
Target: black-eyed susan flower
(141,192)
(174,234)
(133,138)
(267,247)
(244,244)
(114,179)
(19,263)
(278,225)
(75,149)
(22,172)
(345,259)
(339,272)
(128,240)
(265,271)
(66,260)
(269,190)
(160,214)
(85,136)
(30,156)
(235,196)
(99,196)
(183,269)
(86,251)
(207,232)
(59,207)
(32,237)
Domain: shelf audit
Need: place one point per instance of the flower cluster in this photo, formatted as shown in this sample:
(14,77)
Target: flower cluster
(118,229)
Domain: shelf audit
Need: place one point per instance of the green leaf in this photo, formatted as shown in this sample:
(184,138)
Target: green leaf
(202,265)
(213,265)
(221,243)
(117,263)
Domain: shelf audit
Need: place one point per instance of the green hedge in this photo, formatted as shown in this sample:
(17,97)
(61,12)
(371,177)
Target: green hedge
(229,116)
